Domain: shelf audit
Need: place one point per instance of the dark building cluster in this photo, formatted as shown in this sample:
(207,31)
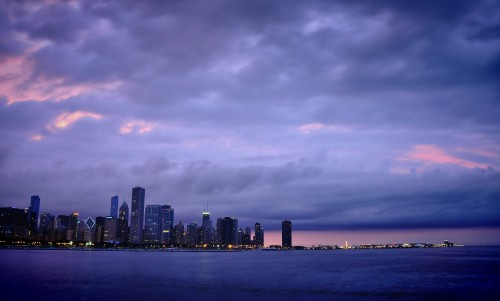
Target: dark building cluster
(143,226)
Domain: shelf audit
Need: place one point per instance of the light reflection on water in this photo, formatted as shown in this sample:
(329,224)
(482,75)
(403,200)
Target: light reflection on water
(410,274)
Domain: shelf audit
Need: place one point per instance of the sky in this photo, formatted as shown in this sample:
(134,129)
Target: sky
(362,117)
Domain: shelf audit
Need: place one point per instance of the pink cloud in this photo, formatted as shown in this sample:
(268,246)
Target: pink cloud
(313,127)
(37,138)
(138,126)
(431,154)
(18,85)
(66,119)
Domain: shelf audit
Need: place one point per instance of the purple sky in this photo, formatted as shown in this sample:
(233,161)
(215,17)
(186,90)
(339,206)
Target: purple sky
(378,115)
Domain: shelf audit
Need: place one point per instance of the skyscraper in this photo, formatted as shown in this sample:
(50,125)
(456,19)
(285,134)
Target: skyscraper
(259,235)
(192,234)
(137,215)
(114,207)
(286,234)
(123,223)
(33,212)
(110,229)
(153,224)
(227,231)
(73,226)
(207,236)
(167,224)
(47,221)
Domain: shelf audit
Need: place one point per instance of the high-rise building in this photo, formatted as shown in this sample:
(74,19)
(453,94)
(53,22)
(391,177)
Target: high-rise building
(259,235)
(123,223)
(207,235)
(153,224)
(13,222)
(110,229)
(47,221)
(100,225)
(137,215)
(33,212)
(166,224)
(286,234)
(227,231)
(192,234)
(73,226)
(179,234)
(114,207)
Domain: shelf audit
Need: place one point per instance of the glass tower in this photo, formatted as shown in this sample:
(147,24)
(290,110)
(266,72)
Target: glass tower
(33,212)
(114,207)
(152,226)
(123,223)
(286,234)
(137,215)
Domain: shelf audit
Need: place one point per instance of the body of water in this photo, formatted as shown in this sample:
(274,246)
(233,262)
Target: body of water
(468,273)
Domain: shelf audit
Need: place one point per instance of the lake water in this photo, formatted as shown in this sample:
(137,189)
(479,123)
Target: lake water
(468,273)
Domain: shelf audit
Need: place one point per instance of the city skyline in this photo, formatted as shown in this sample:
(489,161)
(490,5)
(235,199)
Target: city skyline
(343,117)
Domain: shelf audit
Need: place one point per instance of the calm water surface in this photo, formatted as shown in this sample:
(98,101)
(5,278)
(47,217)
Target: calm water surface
(469,273)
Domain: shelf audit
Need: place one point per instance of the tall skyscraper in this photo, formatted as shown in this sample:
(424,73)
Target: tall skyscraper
(286,234)
(167,224)
(33,212)
(179,234)
(110,229)
(227,231)
(100,224)
(153,224)
(73,226)
(137,215)
(259,235)
(123,223)
(207,236)
(47,221)
(192,234)
(114,207)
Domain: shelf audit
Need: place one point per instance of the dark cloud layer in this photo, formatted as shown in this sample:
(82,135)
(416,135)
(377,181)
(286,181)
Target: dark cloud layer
(335,114)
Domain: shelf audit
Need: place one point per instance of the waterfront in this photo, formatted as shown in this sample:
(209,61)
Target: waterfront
(409,274)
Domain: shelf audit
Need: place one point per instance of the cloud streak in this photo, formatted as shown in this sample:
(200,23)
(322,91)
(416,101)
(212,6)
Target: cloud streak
(68,118)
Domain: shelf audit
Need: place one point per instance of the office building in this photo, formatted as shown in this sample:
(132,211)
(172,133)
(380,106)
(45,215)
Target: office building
(166,224)
(13,222)
(47,221)
(286,234)
(113,211)
(179,234)
(152,228)
(259,235)
(227,231)
(137,215)
(206,226)
(110,229)
(100,225)
(33,212)
(192,234)
(122,231)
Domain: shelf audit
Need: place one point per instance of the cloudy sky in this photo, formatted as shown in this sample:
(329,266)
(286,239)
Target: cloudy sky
(338,115)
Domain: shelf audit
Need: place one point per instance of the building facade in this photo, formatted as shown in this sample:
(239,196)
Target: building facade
(166,224)
(122,231)
(33,213)
(137,215)
(286,234)
(227,231)
(152,227)
(113,211)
